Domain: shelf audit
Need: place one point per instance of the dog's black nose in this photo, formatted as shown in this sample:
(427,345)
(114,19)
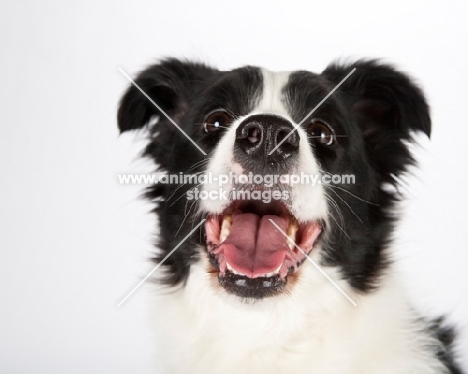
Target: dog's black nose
(267,138)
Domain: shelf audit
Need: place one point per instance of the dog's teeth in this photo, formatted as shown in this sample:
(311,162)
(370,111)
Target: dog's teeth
(274,272)
(291,232)
(225,227)
(229,267)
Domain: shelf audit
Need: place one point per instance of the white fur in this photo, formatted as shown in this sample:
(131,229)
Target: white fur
(312,328)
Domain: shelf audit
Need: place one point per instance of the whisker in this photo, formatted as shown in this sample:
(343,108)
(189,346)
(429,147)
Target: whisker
(357,197)
(182,195)
(319,137)
(338,210)
(352,211)
(197,164)
(186,215)
(344,232)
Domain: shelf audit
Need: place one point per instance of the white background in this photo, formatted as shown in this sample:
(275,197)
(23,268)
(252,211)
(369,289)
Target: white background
(74,241)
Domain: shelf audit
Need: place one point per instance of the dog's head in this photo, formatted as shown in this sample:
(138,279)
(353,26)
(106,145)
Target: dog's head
(286,174)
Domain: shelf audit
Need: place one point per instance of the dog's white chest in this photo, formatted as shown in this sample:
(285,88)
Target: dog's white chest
(202,331)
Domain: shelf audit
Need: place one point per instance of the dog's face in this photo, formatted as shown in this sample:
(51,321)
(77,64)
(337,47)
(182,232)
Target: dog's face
(258,133)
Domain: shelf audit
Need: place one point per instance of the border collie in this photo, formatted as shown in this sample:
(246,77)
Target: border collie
(284,275)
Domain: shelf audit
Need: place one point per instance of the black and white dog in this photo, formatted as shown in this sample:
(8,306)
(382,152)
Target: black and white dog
(285,276)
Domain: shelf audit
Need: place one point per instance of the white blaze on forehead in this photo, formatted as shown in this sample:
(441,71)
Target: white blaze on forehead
(272,100)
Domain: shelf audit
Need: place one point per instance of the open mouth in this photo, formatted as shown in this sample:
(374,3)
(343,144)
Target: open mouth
(253,257)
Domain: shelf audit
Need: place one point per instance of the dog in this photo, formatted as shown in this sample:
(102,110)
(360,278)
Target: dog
(272,273)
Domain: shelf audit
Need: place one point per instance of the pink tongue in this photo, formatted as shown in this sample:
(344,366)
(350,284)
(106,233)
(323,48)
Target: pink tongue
(254,246)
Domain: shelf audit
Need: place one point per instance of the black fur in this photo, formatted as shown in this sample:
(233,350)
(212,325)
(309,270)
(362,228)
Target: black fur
(186,92)
(374,114)
(374,110)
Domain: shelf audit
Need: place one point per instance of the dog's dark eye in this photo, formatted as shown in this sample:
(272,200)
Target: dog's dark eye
(218,119)
(321,133)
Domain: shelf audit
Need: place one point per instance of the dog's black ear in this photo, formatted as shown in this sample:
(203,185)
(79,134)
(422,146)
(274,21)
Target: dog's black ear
(388,106)
(170,84)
